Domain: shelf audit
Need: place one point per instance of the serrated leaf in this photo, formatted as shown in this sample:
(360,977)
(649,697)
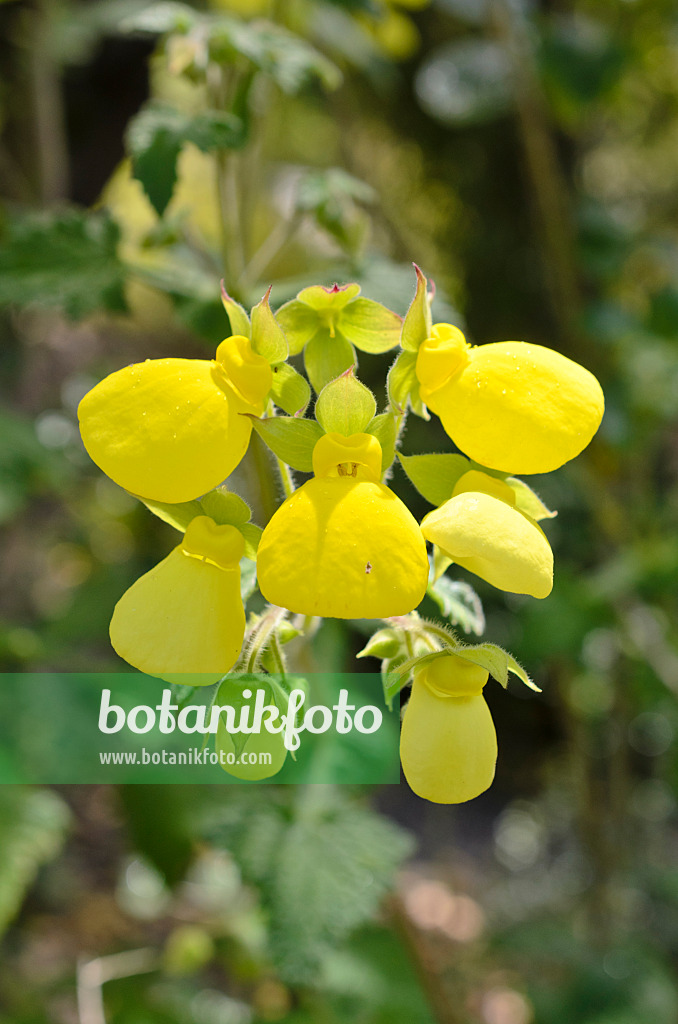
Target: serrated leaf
(416,326)
(370,326)
(290,391)
(321,871)
(326,358)
(435,475)
(268,339)
(291,439)
(237,316)
(161,18)
(529,502)
(459,604)
(345,406)
(156,136)
(286,58)
(62,260)
(403,386)
(33,826)
(384,428)
(299,322)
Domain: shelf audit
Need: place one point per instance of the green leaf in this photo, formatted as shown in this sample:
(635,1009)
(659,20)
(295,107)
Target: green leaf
(435,475)
(248,577)
(459,604)
(33,825)
(497,662)
(268,339)
(156,136)
(161,18)
(384,428)
(299,322)
(326,358)
(290,391)
(291,439)
(237,316)
(370,326)
(527,501)
(403,385)
(322,867)
(417,323)
(345,406)
(62,260)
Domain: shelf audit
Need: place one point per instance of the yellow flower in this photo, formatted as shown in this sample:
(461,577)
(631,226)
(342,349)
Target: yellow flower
(344,545)
(480,529)
(184,620)
(448,745)
(510,406)
(172,429)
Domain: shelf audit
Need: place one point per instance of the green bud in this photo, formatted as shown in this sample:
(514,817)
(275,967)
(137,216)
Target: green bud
(345,406)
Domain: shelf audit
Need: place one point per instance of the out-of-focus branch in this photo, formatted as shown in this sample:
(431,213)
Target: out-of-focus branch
(548,184)
(93,974)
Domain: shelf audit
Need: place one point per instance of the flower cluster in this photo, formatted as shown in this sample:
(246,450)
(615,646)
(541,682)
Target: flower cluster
(343,544)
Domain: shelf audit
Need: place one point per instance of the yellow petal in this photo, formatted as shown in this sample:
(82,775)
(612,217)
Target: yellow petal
(249,374)
(493,540)
(456,676)
(335,454)
(342,547)
(164,429)
(511,406)
(448,745)
(184,620)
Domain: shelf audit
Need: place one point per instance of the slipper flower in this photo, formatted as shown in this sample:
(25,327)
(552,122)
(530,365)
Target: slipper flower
(171,429)
(510,406)
(448,744)
(344,545)
(481,530)
(184,620)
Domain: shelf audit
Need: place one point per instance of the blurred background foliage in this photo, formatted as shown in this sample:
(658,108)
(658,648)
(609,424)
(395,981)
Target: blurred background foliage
(524,153)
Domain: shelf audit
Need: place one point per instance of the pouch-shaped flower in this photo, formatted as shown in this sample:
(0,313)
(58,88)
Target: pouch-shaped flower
(172,429)
(480,529)
(184,620)
(344,545)
(448,744)
(509,405)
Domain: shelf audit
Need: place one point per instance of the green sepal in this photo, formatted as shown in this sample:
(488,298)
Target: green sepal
(291,439)
(251,535)
(237,316)
(435,475)
(417,323)
(403,386)
(345,406)
(527,501)
(370,326)
(497,662)
(178,515)
(384,428)
(320,298)
(225,507)
(400,671)
(385,643)
(299,322)
(327,357)
(268,339)
(290,391)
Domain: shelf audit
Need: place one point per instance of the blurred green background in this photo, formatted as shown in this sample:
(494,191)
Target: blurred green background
(525,154)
